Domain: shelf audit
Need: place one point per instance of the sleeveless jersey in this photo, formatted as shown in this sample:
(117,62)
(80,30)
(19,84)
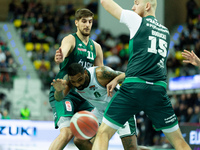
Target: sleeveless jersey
(95,93)
(148,51)
(82,54)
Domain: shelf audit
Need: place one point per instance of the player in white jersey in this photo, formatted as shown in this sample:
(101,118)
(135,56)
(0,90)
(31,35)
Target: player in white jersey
(91,85)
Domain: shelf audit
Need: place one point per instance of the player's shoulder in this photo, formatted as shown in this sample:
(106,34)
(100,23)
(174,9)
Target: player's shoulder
(103,69)
(69,38)
(96,44)
(93,68)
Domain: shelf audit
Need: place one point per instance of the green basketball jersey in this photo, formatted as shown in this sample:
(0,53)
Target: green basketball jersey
(82,54)
(148,51)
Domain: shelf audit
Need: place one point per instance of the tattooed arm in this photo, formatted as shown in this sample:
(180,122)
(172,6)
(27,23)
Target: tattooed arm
(106,74)
(62,88)
(109,78)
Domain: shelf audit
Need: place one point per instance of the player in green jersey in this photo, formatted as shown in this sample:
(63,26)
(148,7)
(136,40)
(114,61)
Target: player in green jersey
(144,86)
(75,48)
(191,57)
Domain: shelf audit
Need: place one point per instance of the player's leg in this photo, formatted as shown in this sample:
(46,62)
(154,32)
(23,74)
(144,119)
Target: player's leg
(130,143)
(62,140)
(103,136)
(177,140)
(128,135)
(159,109)
(121,107)
(63,111)
(83,144)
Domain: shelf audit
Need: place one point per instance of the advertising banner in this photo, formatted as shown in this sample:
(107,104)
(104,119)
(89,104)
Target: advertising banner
(191,133)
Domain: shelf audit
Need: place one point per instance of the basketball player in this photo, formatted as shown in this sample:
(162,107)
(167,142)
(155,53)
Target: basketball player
(91,85)
(79,48)
(144,87)
(191,57)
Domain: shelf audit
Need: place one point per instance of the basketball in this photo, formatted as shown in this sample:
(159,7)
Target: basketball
(84,125)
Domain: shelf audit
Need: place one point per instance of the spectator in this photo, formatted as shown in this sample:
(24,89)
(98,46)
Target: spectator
(5,114)
(11,10)
(4,76)
(2,58)
(195,118)
(197,100)
(191,5)
(25,113)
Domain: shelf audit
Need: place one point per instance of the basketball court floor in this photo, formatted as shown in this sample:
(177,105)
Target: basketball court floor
(45,145)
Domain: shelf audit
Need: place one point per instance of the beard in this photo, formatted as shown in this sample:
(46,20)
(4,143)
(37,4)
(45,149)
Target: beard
(84,85)
(84,33)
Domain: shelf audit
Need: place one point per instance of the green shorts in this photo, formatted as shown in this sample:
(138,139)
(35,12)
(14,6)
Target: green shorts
(71,104)
(134,97)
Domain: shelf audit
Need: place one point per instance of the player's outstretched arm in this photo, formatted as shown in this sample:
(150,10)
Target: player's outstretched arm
(65,49)
(112,7)
(61,88)
(191,57)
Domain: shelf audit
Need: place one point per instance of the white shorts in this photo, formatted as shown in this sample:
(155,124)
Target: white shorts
(64,122)
(129,128)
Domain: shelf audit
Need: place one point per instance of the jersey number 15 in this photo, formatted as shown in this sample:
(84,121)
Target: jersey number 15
(162,44)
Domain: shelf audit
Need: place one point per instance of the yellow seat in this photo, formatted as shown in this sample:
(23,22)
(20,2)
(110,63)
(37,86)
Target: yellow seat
(29,46)
(46,46)
(17,23)
(47,64)
(37,46)
(178,55)
(37,64)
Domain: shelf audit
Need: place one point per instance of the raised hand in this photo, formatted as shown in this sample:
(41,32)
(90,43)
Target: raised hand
(59,56)
(59,84)
(191,57)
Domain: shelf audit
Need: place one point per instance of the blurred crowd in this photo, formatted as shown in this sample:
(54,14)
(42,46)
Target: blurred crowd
(8,66)
(189,39)
(5,105)
(38,24)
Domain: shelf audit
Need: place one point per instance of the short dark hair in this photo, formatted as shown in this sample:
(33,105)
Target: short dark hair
(84,12)
(74,69)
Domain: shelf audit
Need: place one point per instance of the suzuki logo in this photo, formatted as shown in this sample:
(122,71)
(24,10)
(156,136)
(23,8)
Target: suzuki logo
(30,131)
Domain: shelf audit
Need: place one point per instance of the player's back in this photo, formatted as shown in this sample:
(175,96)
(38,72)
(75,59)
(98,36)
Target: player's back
(148,51)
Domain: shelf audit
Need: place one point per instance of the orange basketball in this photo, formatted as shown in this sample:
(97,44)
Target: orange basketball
(84,125)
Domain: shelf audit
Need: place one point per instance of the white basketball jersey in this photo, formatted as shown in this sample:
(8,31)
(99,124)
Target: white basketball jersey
(95,93)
